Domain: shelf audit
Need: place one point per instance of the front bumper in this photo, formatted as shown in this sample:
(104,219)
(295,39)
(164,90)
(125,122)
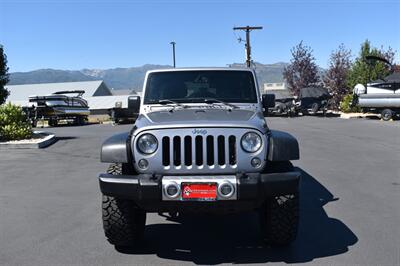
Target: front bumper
(252,190)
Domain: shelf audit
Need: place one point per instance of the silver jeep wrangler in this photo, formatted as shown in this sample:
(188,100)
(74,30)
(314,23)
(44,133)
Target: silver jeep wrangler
(200,144)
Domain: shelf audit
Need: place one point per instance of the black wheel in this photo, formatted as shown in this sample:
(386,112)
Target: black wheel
(79,120)
(123,221)
(53,122)
(387,114)
(279,216)
(279,219)
(280,109)
(314,108)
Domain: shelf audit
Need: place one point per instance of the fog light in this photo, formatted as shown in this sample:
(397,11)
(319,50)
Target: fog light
(172,190)
(256,162)
(143,164)
(226,189)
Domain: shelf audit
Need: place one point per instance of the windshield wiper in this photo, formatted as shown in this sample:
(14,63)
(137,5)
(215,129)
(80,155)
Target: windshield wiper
(213,100)
(168,101)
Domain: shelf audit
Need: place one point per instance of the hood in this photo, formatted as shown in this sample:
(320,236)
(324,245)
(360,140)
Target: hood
(202,118)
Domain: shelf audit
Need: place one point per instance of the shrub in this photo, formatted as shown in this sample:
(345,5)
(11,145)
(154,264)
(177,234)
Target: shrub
(13,124)
(345,105)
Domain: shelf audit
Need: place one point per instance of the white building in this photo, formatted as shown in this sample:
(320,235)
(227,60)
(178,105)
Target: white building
(100,104)
(274,86)
(100,98)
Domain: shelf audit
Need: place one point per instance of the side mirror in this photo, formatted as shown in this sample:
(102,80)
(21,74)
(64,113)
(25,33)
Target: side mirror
(268,100)
(134,104)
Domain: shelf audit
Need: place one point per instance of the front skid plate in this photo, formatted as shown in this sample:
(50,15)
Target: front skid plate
(166,180)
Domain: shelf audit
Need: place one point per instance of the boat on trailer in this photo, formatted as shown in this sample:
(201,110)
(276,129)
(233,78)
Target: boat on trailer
(380,96)
(60,106)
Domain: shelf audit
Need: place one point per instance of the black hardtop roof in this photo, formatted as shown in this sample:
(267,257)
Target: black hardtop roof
(314,92)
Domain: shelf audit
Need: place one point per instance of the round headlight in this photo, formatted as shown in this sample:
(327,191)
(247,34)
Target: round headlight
(147,144)
(251,142)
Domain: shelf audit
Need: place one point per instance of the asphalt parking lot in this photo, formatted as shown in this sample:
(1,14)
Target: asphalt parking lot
(350,213)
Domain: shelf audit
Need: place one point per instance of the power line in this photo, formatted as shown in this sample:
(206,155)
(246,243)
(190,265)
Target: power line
(247,29)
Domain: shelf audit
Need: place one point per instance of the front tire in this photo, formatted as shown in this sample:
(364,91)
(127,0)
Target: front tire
(123,221)
(279,218)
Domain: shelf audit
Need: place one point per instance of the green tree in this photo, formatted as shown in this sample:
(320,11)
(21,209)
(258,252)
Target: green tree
(364,71)
(3,76)
(13,123)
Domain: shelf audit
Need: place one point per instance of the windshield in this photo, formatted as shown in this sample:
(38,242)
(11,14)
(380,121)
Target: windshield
(198,85)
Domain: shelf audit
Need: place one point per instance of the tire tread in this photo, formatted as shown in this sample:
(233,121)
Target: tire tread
(280,217)
(123,221)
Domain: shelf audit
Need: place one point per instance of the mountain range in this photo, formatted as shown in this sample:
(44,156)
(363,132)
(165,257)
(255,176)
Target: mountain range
(126,78)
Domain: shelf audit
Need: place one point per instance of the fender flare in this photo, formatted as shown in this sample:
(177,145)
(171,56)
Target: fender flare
(116,149)
(282,146)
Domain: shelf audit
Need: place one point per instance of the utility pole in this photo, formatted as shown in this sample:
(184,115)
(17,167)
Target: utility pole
(173,52)
(247,29)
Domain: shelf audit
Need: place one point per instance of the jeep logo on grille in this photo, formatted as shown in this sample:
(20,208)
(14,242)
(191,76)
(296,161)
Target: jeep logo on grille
(199,131)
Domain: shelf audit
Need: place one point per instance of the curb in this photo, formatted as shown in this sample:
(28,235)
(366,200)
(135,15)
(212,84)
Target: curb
(356,115)
(45,142)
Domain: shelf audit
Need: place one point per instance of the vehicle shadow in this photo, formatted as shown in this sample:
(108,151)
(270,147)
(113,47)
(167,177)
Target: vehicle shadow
(66,138)
(63,138)
(321,115)
(235,238)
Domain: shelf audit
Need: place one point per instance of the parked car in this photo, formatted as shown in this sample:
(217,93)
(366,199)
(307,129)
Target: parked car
(201,145)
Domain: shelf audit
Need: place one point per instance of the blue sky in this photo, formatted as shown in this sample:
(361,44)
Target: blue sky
(72,34)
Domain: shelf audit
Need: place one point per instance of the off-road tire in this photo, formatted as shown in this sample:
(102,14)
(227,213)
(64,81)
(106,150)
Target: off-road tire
(279,218)
(387,114)
(123,221)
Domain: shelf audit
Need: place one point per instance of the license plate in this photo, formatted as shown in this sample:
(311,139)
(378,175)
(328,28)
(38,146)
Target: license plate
(203,191)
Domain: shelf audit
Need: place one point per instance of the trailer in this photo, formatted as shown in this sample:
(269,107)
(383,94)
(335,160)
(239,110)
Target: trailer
(381,96)
(59,106)
(314,100)
(285,103)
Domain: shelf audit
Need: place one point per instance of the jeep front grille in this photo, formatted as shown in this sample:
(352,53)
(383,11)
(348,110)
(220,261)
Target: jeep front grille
(199,151)
(192,151)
